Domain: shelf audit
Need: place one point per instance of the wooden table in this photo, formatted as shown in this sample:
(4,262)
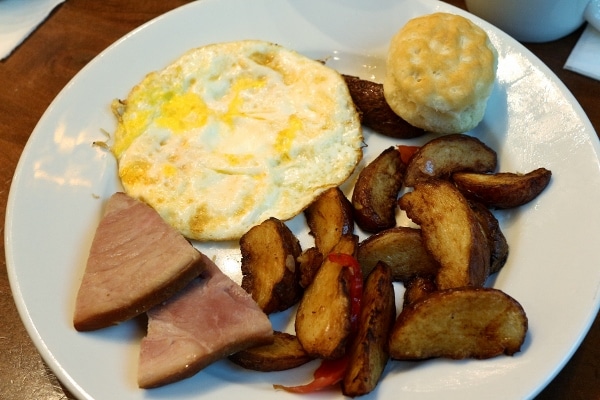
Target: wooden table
(71,37)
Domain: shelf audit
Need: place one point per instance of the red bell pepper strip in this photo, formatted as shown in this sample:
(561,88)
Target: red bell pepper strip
(406,152)
(331,372)
(356,284)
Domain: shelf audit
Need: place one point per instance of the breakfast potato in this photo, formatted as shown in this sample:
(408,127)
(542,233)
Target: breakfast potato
(459,323)
(451,233)
(495,237)
(375,112)
(323,317)
(269,267)
(441,157)
(328,218)
(284,353)
(309,263)
(417,288)
(402,249)
(503,189)
(368,352)
(376,190)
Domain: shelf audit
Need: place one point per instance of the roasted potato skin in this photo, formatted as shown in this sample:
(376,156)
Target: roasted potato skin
(375,112)
(368,352)
(322,322)
(402,249)
(269,268)
(328,218)
(417,288)
(451,233)
(459,323)
(442,156)
(503,189)
(376,191)
(497,242)
(309,263)
(284,353)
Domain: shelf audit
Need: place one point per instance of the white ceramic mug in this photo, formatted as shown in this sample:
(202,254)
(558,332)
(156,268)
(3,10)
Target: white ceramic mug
(537,20)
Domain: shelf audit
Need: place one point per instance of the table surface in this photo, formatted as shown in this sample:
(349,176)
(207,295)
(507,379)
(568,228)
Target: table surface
(70,38)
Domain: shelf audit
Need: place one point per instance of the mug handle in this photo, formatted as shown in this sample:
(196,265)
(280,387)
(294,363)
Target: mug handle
(592,13)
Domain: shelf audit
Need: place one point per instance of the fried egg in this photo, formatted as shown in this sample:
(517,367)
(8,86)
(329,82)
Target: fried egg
(233,133)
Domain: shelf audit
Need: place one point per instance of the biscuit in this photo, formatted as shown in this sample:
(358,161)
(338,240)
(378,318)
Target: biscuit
(440,73)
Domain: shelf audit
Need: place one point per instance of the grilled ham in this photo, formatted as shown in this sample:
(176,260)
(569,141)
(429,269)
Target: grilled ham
(136,261)
(212,318)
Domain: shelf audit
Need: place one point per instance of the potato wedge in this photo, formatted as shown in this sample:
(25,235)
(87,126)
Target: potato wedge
(417,288)
(503,189)
(441,157)
(402,249)
(368,351)
(323,315)
(459,323)
(495,238)
(375,112)
(284,353)
(376,191)
(309,263)
(451,233)
(269,267)
(328,218)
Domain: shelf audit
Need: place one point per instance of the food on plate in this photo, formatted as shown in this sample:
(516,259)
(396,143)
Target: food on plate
(459,323)
(495,237)
(136,261)
(329,217)
(451,232)
(503,189)
(368,352)
(402,249)
(323,322)
(376,190)
(443,265)
(440,72)
(231,134)
(210,319)
(442,156)
(284,353)
(375,112)
(232,139)
(416,288)
(269,268)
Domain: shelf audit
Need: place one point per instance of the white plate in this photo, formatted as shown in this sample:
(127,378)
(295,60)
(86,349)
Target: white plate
(61,182)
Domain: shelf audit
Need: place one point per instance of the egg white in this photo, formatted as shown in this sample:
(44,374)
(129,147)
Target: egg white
(233,133)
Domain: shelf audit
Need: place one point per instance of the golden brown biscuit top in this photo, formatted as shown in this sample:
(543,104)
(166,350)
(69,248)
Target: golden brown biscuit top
(442,60)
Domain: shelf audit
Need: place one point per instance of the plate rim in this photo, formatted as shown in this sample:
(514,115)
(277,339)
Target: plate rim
(23,309)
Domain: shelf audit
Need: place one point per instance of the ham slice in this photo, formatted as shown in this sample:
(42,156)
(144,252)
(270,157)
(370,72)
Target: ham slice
(212,318)
(136,262)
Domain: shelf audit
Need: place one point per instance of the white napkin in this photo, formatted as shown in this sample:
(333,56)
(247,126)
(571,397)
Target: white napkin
(585,56)
(18,18)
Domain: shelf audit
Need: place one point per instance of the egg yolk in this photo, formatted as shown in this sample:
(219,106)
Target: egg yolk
(183,112)
(285,137)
